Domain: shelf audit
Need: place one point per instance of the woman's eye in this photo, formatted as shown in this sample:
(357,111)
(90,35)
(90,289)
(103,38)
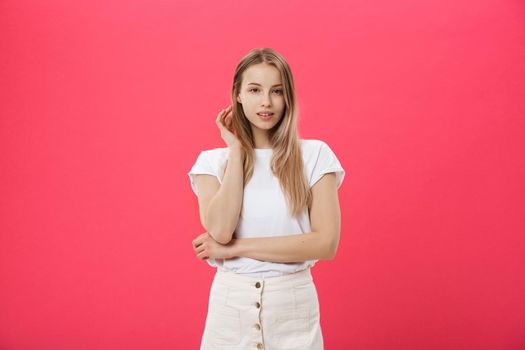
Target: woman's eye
(254,89)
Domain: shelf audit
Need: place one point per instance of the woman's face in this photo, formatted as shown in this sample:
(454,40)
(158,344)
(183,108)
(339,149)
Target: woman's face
(262,90)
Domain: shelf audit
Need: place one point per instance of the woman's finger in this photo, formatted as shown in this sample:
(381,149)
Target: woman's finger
(220,122)
(198,241)
(219,116)
(200,249)
(223,112)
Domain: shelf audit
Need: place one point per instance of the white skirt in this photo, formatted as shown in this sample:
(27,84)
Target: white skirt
(273,313)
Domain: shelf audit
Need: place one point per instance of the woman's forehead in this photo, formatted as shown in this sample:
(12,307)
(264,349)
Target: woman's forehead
(263,75)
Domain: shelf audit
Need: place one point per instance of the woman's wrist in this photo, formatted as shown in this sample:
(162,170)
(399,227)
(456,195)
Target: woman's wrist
(235,248)
(236,151)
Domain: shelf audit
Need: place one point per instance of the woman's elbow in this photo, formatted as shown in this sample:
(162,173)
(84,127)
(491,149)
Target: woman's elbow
(331,250)
(222,237)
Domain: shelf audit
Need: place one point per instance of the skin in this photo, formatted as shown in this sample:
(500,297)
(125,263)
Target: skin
(224,121)
(255,98)
(268,95)
(323,241)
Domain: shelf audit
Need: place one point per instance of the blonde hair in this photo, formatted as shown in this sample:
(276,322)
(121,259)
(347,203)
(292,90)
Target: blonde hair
(287,161)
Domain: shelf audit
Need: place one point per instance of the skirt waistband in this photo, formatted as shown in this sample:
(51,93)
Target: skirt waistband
(239,281)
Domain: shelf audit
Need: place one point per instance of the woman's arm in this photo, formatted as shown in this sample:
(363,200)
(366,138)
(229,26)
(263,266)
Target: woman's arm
(321,243)
(291,248)
(220,208)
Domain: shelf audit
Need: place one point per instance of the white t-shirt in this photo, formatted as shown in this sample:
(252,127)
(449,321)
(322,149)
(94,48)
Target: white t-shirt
(264,210)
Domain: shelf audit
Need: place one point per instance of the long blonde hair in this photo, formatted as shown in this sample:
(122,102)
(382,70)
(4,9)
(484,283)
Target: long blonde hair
(287,161)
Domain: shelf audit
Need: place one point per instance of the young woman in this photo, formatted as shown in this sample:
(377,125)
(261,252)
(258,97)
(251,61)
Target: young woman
(270,206)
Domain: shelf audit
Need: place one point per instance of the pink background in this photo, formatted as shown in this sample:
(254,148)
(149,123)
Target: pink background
(106,105)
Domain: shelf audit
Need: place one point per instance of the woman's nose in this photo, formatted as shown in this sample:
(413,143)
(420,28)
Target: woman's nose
(266,100)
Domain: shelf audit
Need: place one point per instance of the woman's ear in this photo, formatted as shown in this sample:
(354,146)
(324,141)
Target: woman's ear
(238,99)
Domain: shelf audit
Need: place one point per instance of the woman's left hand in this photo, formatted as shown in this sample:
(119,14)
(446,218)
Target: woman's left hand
(206,247)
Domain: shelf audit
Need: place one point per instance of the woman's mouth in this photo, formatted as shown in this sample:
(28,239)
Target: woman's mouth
(265,116)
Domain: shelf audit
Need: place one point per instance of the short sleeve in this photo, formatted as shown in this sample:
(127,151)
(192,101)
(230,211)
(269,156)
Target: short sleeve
(326,162)
(202,166)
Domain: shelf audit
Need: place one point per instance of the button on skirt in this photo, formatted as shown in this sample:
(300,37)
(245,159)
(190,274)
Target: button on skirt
(272,313)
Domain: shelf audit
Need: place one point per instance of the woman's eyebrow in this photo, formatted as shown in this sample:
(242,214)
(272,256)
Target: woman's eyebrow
(261,85)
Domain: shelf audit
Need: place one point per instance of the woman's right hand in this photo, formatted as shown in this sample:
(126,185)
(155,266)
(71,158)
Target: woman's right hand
(224,119)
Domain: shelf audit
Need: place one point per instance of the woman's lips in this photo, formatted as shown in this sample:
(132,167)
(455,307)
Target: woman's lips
(264,117)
